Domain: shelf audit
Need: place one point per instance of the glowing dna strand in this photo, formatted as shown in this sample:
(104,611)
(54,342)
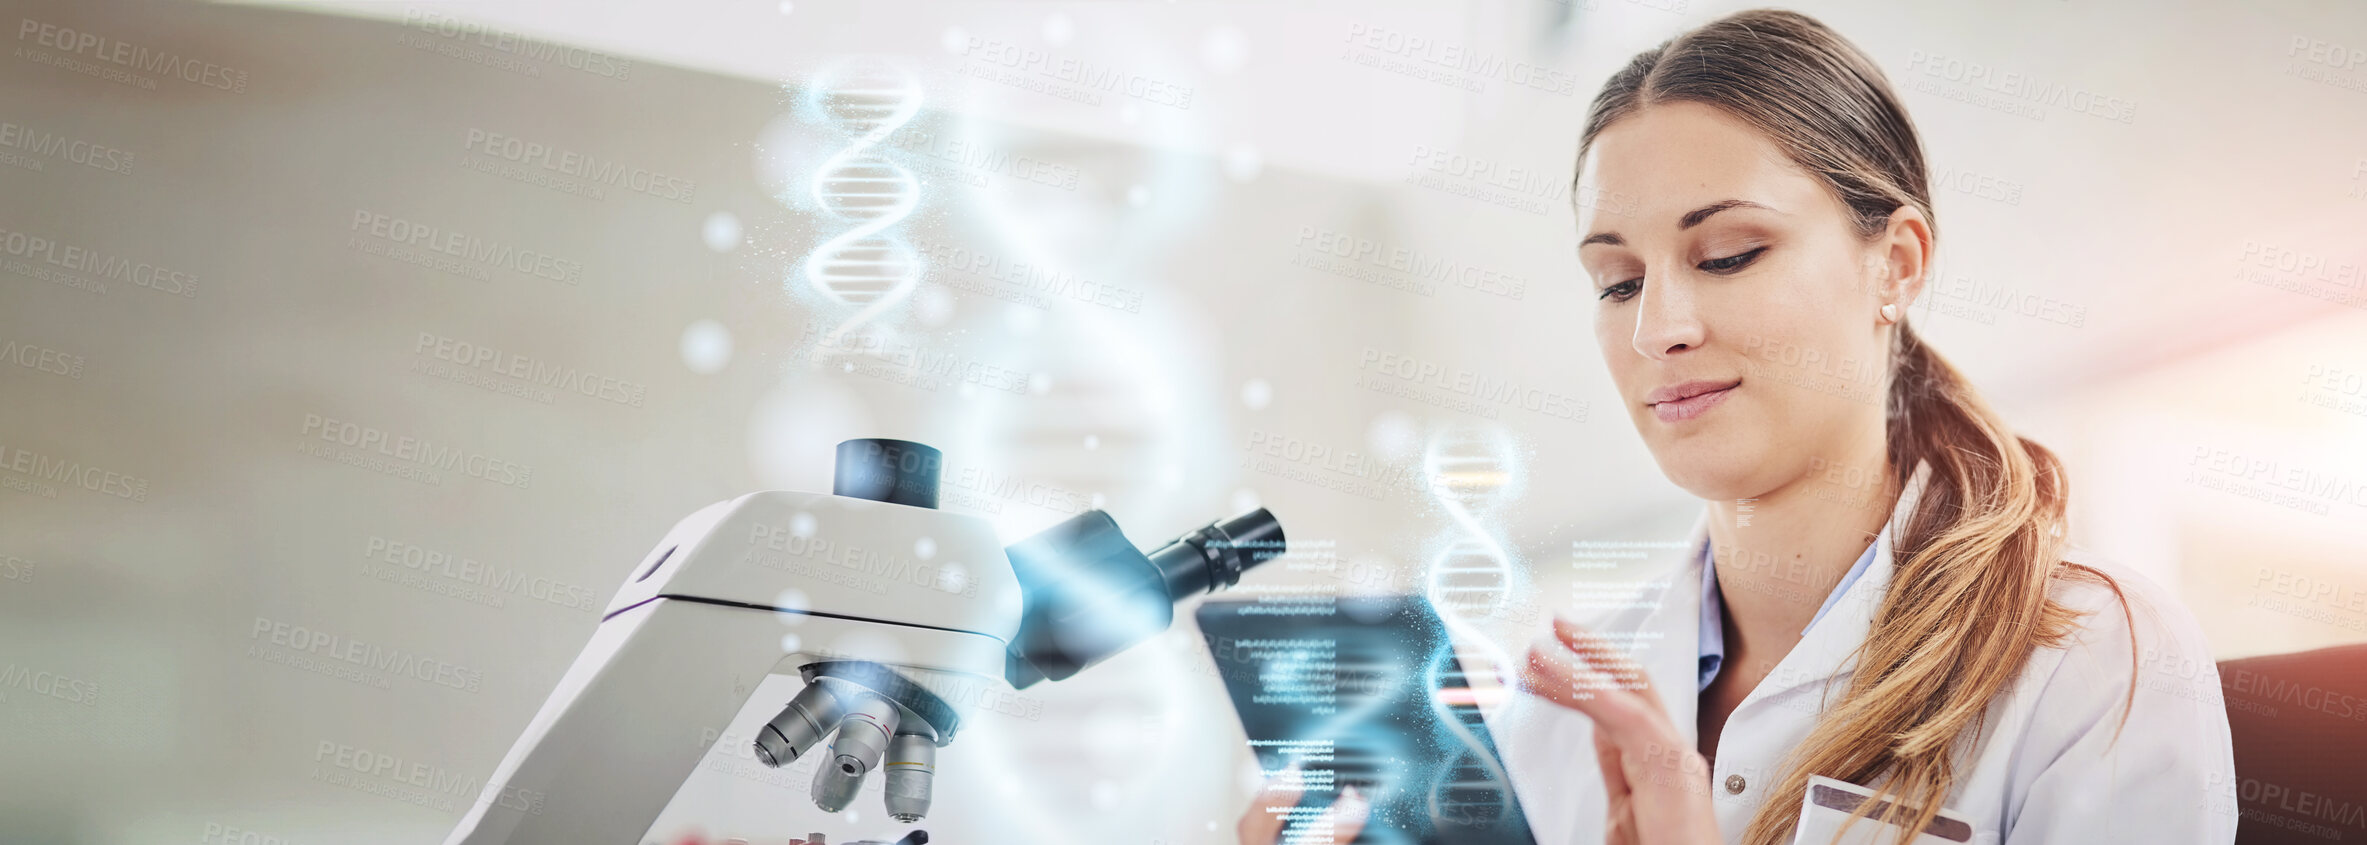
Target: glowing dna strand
(864,266)
(1470,471)
(1472,791)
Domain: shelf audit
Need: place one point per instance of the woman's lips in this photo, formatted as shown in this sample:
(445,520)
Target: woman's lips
(1689,400)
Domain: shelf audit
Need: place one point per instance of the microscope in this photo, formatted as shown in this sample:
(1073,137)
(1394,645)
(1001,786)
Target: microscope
(885,608)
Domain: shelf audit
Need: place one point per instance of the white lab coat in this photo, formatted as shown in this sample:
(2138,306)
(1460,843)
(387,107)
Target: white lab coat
(2047,769)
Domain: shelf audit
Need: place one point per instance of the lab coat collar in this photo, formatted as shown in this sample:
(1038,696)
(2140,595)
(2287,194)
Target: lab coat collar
(1824,649)
(1713,604)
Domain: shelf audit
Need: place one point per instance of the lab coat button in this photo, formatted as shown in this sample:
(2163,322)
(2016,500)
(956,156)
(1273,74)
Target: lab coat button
(1734,784)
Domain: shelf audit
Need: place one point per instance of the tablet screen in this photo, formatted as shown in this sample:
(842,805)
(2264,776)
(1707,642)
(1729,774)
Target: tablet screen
(1364,691)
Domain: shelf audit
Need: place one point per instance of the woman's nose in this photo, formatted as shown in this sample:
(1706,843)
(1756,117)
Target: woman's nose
(1666,321)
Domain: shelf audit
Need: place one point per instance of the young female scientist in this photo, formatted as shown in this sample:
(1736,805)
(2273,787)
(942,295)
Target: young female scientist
(1880,592)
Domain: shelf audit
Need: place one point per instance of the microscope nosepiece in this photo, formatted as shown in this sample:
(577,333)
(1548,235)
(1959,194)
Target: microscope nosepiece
(802,725)
(912,768)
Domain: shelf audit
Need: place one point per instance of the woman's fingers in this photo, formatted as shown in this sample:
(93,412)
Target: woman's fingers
(1261,824)
(1655,781)
(1347,815)
(1606,757)
(1611,660)
(1619,812)
(1560,675)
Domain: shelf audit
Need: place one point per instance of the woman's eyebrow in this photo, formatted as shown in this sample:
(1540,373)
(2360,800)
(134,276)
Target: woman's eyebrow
(1691,219)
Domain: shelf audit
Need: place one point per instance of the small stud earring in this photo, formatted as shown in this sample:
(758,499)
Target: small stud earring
(1890,313)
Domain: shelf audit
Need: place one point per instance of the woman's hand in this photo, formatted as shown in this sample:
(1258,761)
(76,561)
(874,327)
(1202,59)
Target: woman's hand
(1658,785)
(1261,824)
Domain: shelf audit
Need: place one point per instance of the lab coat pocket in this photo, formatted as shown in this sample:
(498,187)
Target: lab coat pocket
(1826,809)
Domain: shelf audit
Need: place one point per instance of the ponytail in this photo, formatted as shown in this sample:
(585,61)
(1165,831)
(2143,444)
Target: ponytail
(1969,600)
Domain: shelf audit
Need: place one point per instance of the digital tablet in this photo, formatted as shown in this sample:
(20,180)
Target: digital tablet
(1364,691)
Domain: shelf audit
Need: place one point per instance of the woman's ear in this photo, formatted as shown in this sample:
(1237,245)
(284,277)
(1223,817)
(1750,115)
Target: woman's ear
(1901,257)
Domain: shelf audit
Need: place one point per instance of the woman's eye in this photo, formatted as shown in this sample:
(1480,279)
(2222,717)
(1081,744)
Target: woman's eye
(1620,292)
(1731,263)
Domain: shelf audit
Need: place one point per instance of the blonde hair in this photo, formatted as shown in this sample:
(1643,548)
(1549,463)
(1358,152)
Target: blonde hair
(1979,555)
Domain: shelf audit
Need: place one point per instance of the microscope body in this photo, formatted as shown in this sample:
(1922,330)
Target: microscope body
(768,583)
(886,608)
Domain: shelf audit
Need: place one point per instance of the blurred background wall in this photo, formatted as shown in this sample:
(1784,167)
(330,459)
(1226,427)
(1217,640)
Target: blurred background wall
(552,254)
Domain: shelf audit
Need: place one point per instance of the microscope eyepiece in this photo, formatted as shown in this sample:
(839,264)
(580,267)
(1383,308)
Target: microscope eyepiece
(885,470)
(1212,557)
(1088,593)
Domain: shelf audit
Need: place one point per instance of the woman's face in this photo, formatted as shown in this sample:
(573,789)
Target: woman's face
(1737,308)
